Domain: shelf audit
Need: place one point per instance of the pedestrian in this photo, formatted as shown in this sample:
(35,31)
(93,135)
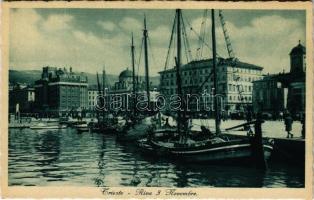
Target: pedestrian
(280,116)
(248,116)
(288,124)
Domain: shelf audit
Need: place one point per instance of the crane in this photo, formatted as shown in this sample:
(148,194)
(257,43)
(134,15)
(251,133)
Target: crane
(234,60)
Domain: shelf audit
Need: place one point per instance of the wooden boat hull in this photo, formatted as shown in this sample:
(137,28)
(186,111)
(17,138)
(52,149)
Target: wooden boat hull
(47,127)
(104,130)
(222,152)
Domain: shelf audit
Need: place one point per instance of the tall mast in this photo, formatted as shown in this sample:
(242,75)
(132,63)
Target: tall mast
(145,34)
(99,93)
(103,90)
(217,117)
(180,118)
(133,76)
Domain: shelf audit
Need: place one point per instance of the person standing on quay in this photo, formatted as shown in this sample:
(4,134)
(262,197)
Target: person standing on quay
(288,124)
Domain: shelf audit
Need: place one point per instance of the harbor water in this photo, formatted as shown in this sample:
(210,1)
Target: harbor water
(65,158)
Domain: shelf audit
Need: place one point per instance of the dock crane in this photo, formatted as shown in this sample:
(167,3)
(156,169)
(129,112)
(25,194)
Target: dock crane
(232,57)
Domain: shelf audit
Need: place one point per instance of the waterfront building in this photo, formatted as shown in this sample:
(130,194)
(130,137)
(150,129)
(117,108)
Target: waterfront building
(92,97)
(22,96)
(123,89)
(296,87)
(60,92)
(269,97)
(234,82)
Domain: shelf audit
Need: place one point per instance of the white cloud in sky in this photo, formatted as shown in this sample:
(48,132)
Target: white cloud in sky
(36,42)
(107,25)
(267,41)
(130,24)
(57,22)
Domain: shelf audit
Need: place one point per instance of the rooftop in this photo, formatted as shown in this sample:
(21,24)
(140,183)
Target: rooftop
(299,49)
(197,64)
(126,73)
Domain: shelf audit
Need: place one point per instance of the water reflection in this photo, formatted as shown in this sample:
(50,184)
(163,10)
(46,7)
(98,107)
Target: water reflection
(47,148)
(90,159)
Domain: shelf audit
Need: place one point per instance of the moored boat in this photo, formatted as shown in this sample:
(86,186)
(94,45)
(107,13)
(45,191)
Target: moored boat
(182,144)
(47,126)
(213,149)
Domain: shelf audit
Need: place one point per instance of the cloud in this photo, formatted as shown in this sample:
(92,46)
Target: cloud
(107,25)
(130,24)
(37,41)
(57,22)
(267,41)
(160,35)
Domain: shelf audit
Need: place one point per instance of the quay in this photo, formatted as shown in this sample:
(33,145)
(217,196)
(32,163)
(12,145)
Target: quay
(285,150)
(290,150)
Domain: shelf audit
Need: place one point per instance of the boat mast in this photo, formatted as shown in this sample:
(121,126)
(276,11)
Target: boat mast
(145,34)
(133,76)
(180,119)
(104,90)
(99,93)
(217,117)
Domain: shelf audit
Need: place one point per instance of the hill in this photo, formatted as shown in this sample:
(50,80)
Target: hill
(30,76)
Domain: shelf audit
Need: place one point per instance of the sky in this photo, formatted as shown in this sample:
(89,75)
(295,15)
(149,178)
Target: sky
(89,40)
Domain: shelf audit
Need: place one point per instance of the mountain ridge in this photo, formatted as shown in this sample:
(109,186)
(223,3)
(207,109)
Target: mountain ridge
(30,76)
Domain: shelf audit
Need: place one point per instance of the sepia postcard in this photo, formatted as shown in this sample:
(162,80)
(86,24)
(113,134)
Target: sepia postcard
(149,100)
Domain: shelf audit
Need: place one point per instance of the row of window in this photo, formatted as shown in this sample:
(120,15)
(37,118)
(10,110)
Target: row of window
(236,88)
(237,98)
(202,79)
(208,71)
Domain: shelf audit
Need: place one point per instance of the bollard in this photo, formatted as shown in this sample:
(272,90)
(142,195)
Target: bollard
(257,145)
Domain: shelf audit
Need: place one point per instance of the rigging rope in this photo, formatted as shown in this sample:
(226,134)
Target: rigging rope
(171,39)
(186,41)
(199,37)
(151,50)
(202,35)
(139,60)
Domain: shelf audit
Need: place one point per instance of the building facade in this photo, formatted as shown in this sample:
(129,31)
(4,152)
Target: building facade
(234,82)
(92,97)
(296,80)
(61,92)
(122,92)
(269,97)
(21,97)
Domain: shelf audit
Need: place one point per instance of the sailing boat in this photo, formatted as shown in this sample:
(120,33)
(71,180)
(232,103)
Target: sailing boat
(215,147)
(139,123)
(104,123)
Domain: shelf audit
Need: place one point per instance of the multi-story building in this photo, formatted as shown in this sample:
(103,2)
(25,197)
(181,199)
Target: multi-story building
(23,97)
(296,80)
(269,96)
(234,81)
(122,90)
(278,92)
(60,91)
(92,97)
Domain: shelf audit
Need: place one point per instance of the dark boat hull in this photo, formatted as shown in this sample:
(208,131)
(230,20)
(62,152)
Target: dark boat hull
(222,152)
